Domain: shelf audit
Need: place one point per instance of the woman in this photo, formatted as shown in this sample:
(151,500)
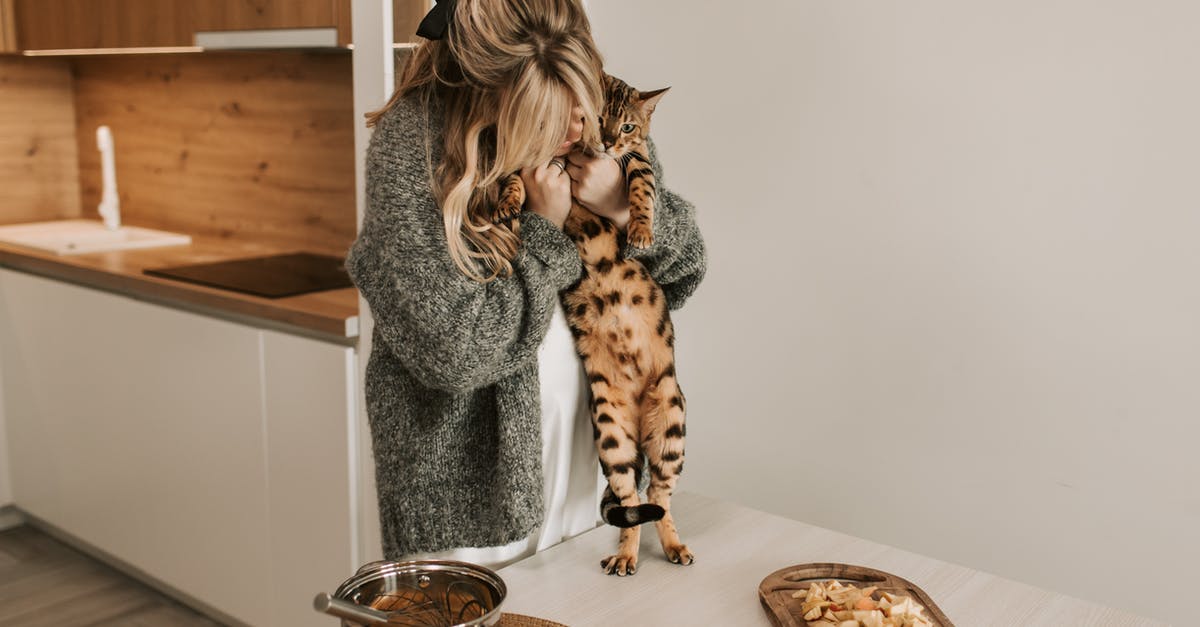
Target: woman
(477,401)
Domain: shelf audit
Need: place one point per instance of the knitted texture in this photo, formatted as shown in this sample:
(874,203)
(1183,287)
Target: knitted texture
(452,386)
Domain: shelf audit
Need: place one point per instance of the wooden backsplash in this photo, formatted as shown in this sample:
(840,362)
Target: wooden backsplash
(248,146)
(39,170)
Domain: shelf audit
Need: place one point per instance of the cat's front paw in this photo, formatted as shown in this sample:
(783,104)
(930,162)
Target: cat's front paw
(640,235)
(506,209)
(619,564)
(680,554)
(512,198)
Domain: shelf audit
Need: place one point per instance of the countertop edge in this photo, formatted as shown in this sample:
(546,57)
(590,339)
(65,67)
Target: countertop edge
(186,297)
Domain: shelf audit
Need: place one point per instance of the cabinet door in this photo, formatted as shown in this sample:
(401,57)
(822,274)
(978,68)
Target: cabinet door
(218,458)
(84,24)
(259,14)
(137,429)
(310,426)
(406,16)
(59,24)
(8,27)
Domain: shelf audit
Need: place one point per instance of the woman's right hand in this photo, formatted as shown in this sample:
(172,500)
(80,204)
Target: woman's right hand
(548,191)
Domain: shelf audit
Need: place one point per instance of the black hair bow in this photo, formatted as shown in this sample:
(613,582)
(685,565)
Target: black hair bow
(437,21)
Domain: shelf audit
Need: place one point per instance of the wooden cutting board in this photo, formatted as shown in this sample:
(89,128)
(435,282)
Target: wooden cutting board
(776,590)
(520,620)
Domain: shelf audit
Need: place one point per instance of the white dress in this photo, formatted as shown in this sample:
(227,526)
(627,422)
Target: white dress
(571,472)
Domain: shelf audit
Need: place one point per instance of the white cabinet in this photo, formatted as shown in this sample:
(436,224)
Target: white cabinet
(309,410)
(5,473)
(137,429)
(213,456)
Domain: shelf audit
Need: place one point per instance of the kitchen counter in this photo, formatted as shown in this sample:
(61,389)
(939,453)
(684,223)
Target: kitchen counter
(330,315)
(735,549)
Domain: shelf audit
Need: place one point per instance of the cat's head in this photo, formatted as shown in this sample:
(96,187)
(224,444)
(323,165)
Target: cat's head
(625,120)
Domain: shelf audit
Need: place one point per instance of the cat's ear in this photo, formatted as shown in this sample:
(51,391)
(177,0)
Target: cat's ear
(649,99)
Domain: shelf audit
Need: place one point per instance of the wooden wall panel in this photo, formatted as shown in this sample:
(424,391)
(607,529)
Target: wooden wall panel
(39,168)
(244,146)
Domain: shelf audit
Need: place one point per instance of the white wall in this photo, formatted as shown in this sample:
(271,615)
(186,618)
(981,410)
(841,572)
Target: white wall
(953,300)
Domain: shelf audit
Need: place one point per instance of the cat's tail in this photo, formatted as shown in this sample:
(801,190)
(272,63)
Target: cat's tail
(618,515)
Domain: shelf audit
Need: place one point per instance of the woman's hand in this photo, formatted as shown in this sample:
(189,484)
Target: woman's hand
(548,191)
(598,186)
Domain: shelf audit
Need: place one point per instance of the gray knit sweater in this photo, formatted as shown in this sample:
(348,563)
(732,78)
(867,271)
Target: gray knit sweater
(452,380)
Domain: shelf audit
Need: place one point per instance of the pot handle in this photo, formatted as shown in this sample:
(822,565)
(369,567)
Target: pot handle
(350,611)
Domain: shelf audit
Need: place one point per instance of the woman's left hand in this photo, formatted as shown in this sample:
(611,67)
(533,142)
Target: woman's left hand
(597,185)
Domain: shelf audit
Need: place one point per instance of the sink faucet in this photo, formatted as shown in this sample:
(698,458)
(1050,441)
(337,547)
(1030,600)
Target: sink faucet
(110,203)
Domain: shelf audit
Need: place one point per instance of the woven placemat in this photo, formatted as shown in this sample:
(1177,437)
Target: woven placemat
(520,620)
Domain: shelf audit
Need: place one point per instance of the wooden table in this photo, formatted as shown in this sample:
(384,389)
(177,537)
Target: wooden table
(735,549)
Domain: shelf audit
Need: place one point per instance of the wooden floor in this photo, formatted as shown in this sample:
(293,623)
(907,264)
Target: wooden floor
(44,582)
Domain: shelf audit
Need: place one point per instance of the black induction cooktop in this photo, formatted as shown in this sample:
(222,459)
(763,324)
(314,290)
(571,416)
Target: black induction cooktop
(274,276)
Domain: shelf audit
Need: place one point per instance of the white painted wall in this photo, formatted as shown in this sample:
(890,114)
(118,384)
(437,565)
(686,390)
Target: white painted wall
(953,300)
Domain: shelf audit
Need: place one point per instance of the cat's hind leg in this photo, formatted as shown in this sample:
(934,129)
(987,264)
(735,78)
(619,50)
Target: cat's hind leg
(664,409)
(616,442)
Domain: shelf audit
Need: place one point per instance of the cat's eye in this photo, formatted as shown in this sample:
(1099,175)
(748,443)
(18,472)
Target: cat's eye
(628,128)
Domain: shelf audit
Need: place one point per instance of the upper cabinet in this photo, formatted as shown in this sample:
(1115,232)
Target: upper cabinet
(91,24)
(406,15)
(74,24)
(8,27)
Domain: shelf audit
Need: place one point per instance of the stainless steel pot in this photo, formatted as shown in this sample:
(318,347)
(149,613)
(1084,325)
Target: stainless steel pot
(424,593)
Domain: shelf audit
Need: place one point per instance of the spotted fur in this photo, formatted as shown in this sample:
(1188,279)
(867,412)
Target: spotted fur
(624,335)
(623,332)
(624,127)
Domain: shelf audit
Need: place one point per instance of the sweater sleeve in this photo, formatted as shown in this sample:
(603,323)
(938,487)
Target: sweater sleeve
(678,258)
(451,332)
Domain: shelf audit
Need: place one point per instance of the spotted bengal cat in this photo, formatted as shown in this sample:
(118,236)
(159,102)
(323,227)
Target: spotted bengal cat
(624,335)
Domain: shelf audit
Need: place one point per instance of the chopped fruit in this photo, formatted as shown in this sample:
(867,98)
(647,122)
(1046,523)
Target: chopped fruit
(834,604)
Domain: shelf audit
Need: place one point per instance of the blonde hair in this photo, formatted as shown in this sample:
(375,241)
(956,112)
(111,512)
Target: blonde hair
(508,73)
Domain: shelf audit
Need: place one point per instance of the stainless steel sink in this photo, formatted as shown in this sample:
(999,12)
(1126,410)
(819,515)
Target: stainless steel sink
(74,237)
